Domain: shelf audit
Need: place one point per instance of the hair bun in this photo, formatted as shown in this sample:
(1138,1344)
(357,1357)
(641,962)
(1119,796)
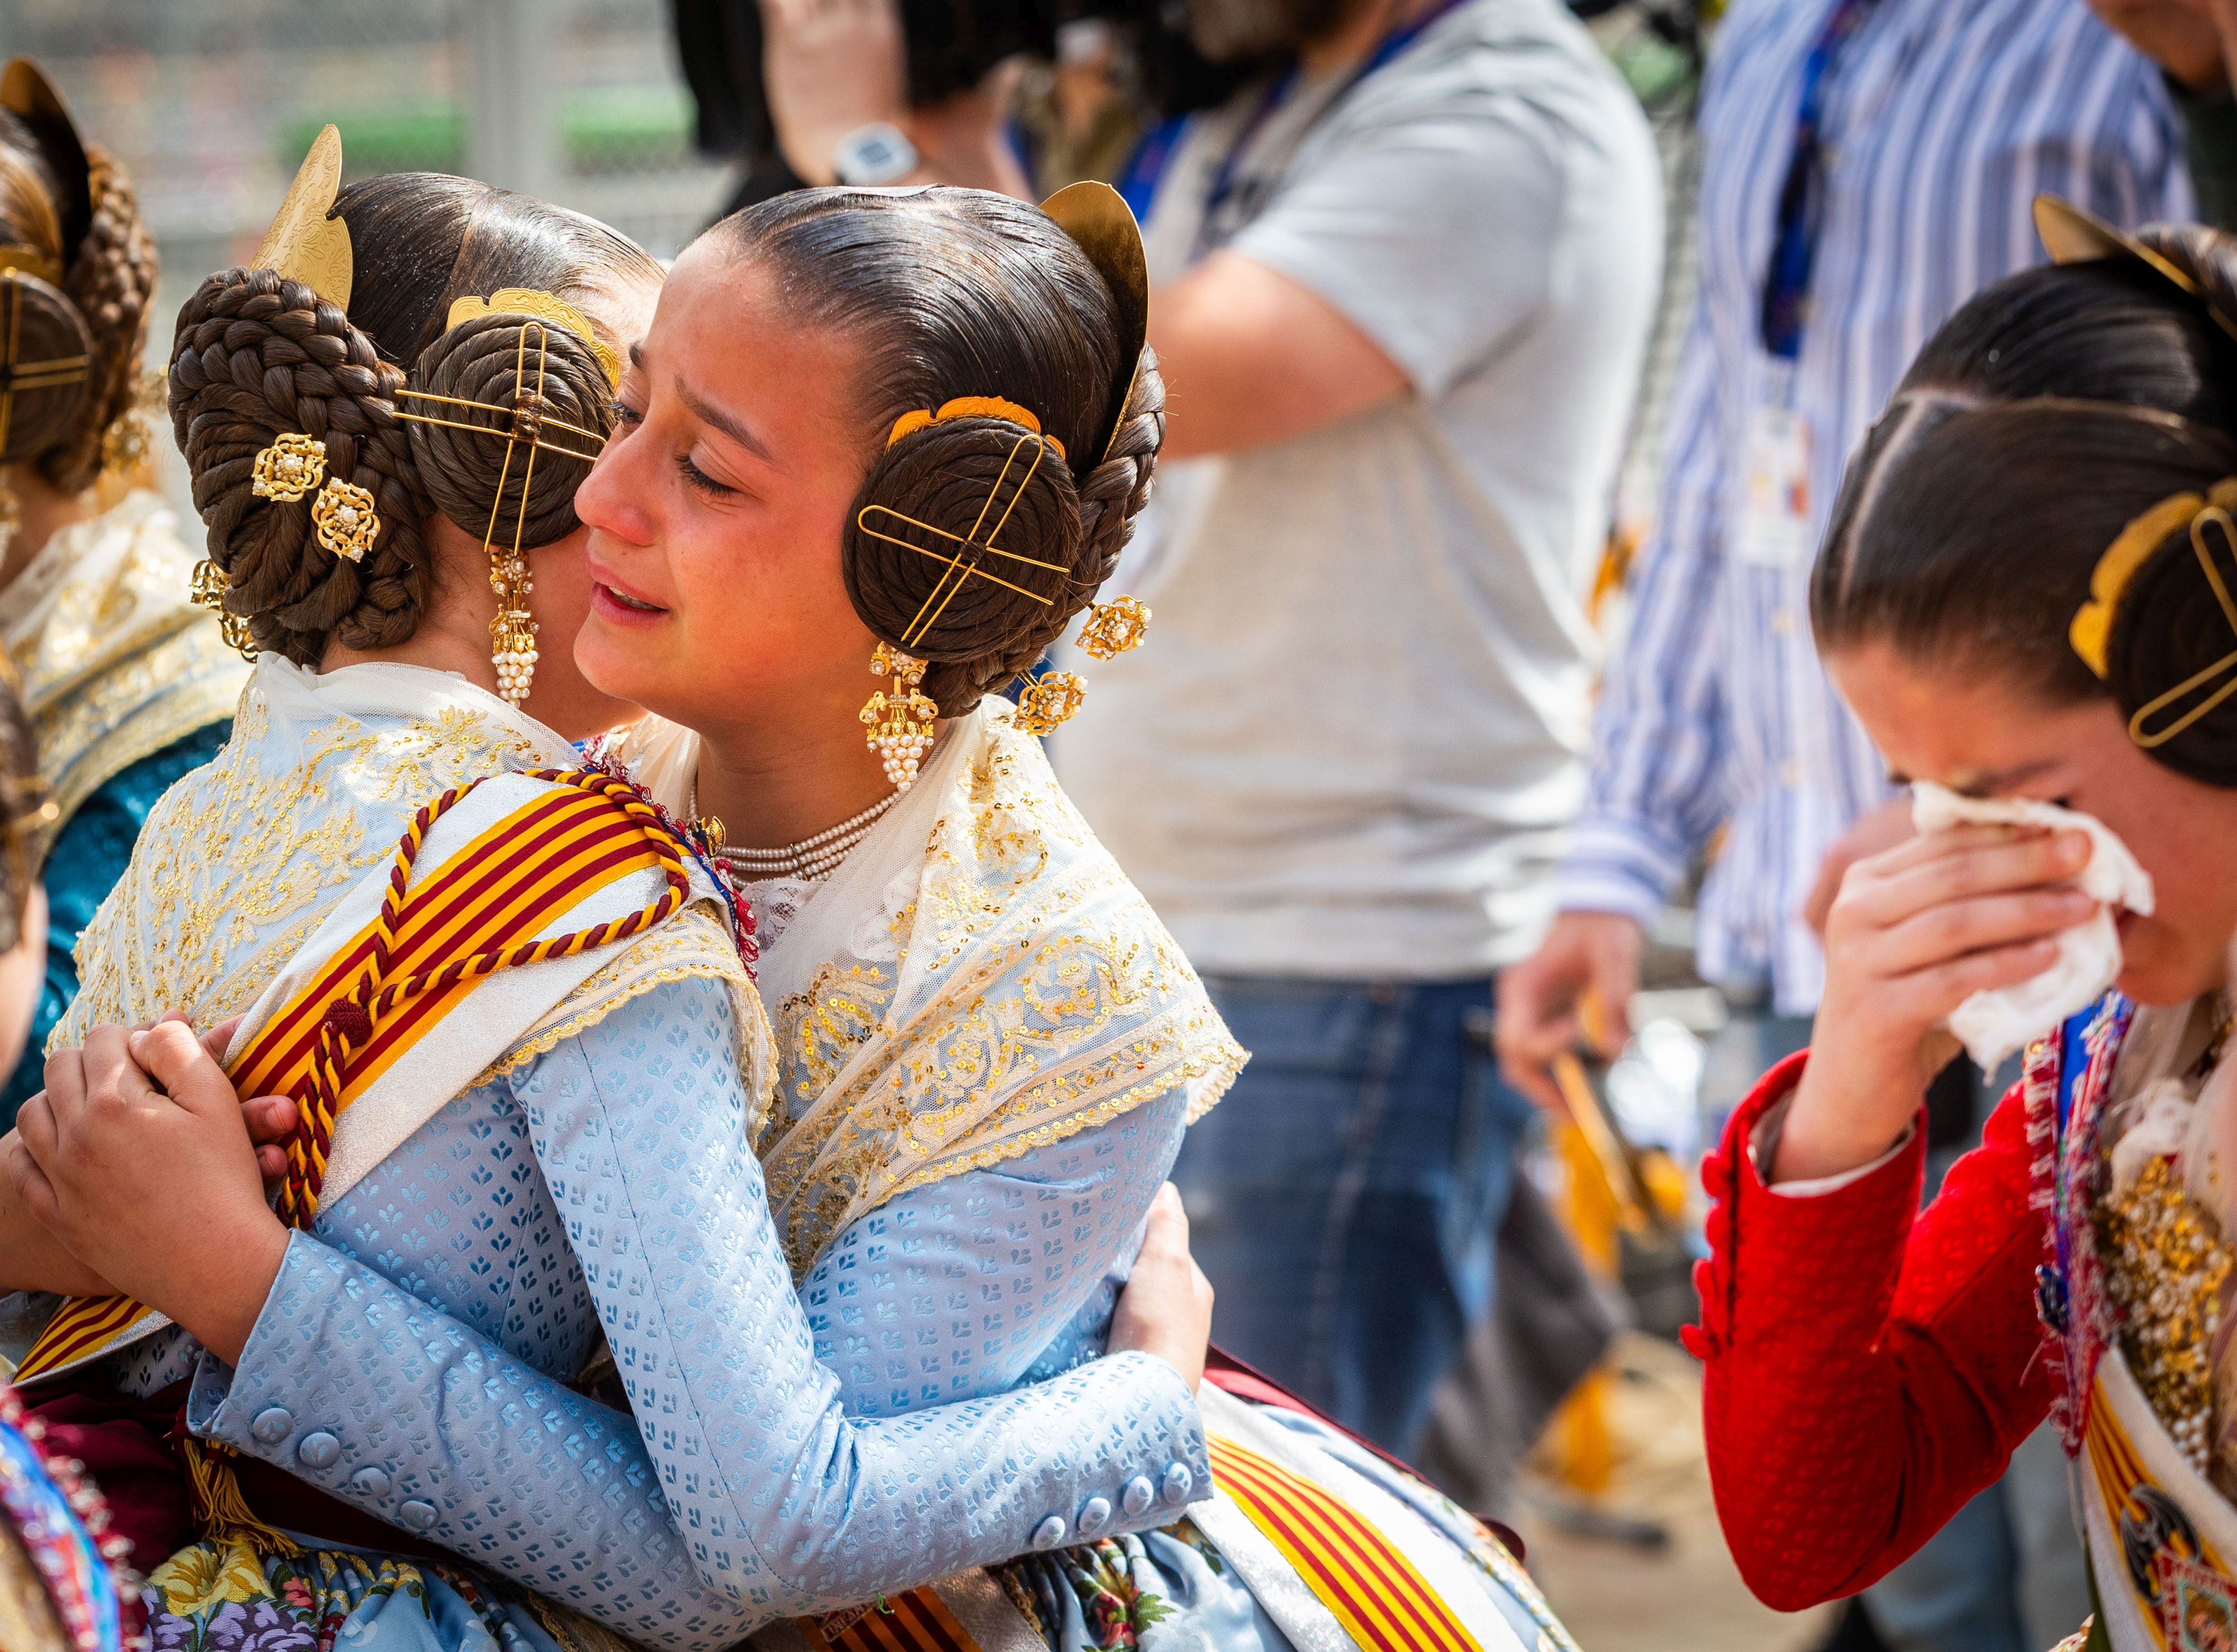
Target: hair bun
(45,327)
(984,480)
(529,379)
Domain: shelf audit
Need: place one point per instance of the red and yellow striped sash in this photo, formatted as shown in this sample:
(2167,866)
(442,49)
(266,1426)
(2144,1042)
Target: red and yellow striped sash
(400,975)
(1374,1591)
(916,1622)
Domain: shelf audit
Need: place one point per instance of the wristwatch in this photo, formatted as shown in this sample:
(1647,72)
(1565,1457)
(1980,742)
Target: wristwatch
(879,152)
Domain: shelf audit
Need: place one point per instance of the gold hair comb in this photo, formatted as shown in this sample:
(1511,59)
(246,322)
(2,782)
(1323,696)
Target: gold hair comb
(305,243)
(545,306)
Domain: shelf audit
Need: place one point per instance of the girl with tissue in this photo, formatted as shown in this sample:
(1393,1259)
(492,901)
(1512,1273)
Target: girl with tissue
(2029,594)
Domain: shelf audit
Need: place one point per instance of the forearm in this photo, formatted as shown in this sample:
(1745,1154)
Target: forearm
(393,1407)
(1864,1375)
(669,1218)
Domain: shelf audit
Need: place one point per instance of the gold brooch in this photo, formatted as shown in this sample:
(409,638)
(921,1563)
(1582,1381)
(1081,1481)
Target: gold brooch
(1048,700)
(288,469)
(346,522)
(208,591)
(899,724)
(1114,627)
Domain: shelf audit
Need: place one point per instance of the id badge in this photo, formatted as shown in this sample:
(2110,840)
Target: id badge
(1774,528)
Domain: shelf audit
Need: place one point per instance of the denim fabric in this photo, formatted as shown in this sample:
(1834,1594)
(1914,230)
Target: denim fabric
(1345,1198)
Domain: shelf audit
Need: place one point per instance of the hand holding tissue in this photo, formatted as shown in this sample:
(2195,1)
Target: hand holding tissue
(1992,1025)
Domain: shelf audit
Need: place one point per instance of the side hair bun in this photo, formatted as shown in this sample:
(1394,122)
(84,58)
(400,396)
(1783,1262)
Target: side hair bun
(525,379)
(50,365)
(256,357)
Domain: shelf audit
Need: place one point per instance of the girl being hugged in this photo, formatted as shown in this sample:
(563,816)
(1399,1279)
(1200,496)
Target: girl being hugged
(526,1054)
(129,683)
(2026,595)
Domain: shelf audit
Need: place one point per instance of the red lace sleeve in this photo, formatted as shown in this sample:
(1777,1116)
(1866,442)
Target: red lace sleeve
(1867,1371)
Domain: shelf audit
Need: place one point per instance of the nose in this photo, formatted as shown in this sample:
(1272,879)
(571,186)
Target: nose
(612,498)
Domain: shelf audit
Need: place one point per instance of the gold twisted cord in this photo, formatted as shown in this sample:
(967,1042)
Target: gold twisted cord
(964,563)
(2147,738)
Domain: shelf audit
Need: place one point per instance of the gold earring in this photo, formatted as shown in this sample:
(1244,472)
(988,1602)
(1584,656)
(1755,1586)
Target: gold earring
(899,724)
(346,522)
(290,467)
(1114,627)
(1047,701)
(208,591)
(513,633)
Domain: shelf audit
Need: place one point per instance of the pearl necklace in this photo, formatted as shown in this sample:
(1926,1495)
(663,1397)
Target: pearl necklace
(811,859)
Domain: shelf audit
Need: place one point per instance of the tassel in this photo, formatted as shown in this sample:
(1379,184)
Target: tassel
(219,1508)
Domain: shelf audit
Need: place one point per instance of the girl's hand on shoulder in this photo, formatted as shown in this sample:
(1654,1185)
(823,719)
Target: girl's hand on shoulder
(1166,1306)
(1913,933)
(138,1158)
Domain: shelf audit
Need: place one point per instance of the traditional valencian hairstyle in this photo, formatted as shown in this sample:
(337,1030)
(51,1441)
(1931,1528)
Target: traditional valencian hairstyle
(400,346)
(2048,494)
(77,268)
(1015,415)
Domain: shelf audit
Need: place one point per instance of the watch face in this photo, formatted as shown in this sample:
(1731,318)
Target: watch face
(877,154)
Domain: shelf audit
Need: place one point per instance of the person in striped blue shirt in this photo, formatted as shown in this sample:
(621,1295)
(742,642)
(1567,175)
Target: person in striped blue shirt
(1867,166)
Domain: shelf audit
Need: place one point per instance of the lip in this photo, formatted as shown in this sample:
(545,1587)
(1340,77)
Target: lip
(613,601)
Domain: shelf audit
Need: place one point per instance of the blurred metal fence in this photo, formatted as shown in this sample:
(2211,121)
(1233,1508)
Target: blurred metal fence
(212,102)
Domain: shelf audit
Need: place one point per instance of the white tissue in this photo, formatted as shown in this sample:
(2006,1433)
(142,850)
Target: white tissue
(1993,1024)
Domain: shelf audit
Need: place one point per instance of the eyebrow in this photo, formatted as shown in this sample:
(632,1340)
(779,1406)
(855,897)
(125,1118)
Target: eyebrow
(1981,785)
(729,423)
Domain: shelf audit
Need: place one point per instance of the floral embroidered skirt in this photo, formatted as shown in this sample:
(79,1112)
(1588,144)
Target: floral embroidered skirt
(226,1597)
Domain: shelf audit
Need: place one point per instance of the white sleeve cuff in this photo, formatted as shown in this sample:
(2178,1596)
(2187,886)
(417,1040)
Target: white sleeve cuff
(1762,1151)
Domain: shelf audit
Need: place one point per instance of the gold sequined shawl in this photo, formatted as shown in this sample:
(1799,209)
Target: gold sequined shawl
(242,861)
(977,979)
(115,663)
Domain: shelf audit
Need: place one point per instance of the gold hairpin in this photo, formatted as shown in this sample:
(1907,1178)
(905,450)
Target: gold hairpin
(964,561)
(512,632)
(18,376)
(2216,514)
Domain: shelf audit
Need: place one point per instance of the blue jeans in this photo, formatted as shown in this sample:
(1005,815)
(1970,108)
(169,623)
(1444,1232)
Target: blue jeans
(1345,1197)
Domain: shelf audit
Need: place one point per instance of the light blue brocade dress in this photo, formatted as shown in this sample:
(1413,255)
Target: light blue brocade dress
(411,1358)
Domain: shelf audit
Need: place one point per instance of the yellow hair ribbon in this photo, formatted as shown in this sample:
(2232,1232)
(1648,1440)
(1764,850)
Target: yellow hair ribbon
(973,407)
(2091,631)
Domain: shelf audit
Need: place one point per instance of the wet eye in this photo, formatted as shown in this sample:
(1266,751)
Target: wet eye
(625,414)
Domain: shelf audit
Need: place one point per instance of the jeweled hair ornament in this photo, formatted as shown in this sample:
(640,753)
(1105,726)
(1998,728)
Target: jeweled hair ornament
(526,427)
(305,243)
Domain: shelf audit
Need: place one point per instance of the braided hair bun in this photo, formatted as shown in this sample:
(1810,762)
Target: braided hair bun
(546,379)
(46,326)
(989,479)
(72,204)
(257,357)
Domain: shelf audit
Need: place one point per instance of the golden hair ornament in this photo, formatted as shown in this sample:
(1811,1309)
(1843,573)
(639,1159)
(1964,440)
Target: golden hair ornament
(972,407)
(209,589)
(2072,236)
(1102,225)
(293,466)
(899,724)
(305,243)
(344,515)
(1114,627)
(1048,700)
(545,307)
(32,98)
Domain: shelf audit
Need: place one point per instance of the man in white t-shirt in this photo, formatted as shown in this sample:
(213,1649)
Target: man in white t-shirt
(1400,294)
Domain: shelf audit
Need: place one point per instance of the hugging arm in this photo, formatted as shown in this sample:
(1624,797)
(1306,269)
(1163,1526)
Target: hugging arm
(741,1490)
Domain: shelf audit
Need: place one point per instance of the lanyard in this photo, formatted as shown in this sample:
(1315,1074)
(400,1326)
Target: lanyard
(1223,182)
(1802,198)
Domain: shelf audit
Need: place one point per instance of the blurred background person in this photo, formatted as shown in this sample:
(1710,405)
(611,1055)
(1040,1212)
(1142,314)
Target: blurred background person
(127,683)
(1867,165)
(1400,287)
